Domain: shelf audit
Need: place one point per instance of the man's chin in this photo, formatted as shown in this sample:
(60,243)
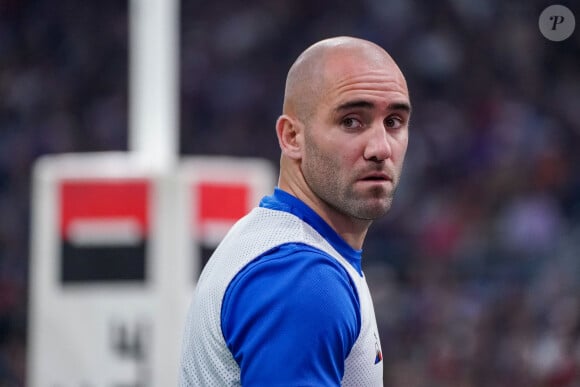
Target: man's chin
(374,210)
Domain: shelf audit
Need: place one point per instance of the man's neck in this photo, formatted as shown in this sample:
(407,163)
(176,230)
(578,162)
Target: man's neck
(352,230)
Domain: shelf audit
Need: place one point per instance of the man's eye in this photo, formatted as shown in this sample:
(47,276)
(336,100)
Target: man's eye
(351,123)
(393,122)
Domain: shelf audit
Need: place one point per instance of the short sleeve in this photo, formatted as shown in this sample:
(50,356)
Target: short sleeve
(291,317)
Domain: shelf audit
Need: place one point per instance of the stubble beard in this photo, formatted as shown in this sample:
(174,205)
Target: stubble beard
(340,194)
(345,200)
(367,206)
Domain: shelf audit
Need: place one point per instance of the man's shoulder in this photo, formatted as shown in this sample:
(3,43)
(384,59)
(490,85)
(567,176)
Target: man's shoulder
(297,265)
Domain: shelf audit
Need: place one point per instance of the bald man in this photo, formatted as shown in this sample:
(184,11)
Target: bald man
(283,301)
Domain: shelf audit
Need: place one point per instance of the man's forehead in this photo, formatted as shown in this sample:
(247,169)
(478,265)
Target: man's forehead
(381,88)
(372,68)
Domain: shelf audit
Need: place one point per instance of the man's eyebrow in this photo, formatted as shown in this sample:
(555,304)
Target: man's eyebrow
(364,104)
(354,105)
(404,106)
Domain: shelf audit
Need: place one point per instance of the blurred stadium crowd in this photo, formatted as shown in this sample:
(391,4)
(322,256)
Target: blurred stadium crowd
(476,270)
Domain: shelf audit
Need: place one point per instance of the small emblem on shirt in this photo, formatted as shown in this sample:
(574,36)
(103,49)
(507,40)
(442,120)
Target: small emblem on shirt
(379,354)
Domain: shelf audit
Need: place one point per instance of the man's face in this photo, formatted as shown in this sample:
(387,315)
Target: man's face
(356,140)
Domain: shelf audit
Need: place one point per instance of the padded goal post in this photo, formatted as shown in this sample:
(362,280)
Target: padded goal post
(116,250)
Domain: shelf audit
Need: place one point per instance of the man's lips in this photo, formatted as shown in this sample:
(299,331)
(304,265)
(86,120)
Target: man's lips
(376,176)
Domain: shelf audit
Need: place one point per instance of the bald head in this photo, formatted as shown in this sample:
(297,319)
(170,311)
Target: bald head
(308,77)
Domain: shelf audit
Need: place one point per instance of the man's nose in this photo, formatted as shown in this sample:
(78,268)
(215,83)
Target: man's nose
(378,147)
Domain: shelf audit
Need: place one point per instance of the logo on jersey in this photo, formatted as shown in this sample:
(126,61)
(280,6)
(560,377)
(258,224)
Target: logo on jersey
(379,354)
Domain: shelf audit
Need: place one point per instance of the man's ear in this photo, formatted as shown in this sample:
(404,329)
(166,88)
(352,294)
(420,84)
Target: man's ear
(290,133)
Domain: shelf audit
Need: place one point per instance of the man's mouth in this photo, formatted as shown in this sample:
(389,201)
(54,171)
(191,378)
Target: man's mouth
(379,176)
